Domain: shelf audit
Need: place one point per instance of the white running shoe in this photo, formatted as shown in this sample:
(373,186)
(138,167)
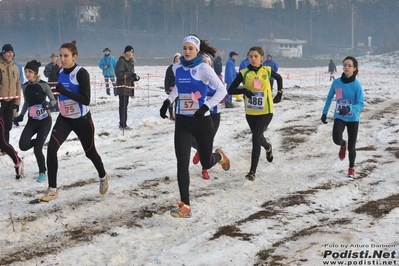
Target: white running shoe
(104,184)
(19,170)
(51,193)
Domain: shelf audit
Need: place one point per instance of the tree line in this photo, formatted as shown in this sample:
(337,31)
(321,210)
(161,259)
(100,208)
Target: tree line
(157,26)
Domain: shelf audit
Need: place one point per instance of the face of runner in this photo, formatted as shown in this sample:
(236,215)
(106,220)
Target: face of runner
(255,58)
(189,51)
(30,74)
(67,59)
(348,67)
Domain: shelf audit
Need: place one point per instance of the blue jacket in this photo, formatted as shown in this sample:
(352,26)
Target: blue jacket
(244,64)
(271,64)
(230,72)
(110,61)
(352,96)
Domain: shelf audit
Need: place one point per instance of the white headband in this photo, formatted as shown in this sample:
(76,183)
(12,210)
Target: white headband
(192,39)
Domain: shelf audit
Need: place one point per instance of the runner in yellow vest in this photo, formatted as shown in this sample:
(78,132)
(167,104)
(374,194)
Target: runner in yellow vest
(258,102)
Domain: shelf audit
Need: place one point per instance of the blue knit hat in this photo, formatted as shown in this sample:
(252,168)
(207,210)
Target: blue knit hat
(6,48)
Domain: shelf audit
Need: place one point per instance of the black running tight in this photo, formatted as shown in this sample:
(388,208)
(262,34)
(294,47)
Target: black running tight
(258,125)
(352,129)
(84,129)
(185,128)
(40,128)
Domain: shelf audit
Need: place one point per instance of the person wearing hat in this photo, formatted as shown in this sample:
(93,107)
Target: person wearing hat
(169,83)
(230,74)
(51,71)
(10,93)
(271,63)
(108,64)
(10,88)
(49,66)
(217,64)
(125,78)
(36,91)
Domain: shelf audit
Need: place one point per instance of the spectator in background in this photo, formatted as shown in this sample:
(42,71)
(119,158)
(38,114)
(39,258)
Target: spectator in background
(332,69)
(169,83)
(49,66)
(21,76)
(108,64)
(217,64)
(53,80)
(125,78)
(10,89)
(230,74)
(244,63)
(274,66)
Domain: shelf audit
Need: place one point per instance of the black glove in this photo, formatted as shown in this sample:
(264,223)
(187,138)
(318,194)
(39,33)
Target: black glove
(200,112)
(324,119)
(164,109)
(277,98)
(17,119)
(60,88)
(16,107)
(248,93)
(46,105)
(135,77)
(344,110)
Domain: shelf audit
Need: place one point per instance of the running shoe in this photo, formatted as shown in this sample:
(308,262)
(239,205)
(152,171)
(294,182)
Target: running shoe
(51,194)
(224,162)
(41,178)
(182,211)
(342,151)
(250,176)
(104,184)
(196,158)
(351,172)
(19,170)
(269,154)
(205,174)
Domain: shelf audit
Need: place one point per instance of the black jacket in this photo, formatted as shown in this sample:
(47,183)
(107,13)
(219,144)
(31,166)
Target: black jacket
(217,66)
(124,66)
(169,81)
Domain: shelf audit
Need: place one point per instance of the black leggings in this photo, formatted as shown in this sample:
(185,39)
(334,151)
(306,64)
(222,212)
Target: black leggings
(41,128)
(185,128)
(352,129)
(84,129)
(216,123)
(258,125)
(123,103)
(4,145)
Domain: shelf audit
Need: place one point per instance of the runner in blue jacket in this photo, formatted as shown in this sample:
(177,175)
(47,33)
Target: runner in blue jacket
(349,100)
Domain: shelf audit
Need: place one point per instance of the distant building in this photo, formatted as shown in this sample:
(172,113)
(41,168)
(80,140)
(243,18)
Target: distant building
(283,47)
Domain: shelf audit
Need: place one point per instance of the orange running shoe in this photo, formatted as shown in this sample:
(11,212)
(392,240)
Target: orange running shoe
(196,158)
(225,162)
(351,172)
(342,152)
(182,211)
(205,174)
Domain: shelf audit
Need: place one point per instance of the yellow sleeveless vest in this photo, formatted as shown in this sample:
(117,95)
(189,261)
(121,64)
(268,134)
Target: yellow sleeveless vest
(262,102)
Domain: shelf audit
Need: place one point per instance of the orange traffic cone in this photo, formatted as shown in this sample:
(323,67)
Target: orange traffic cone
(288,75)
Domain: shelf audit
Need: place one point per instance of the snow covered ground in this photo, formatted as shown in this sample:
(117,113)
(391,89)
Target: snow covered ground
(300,210)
